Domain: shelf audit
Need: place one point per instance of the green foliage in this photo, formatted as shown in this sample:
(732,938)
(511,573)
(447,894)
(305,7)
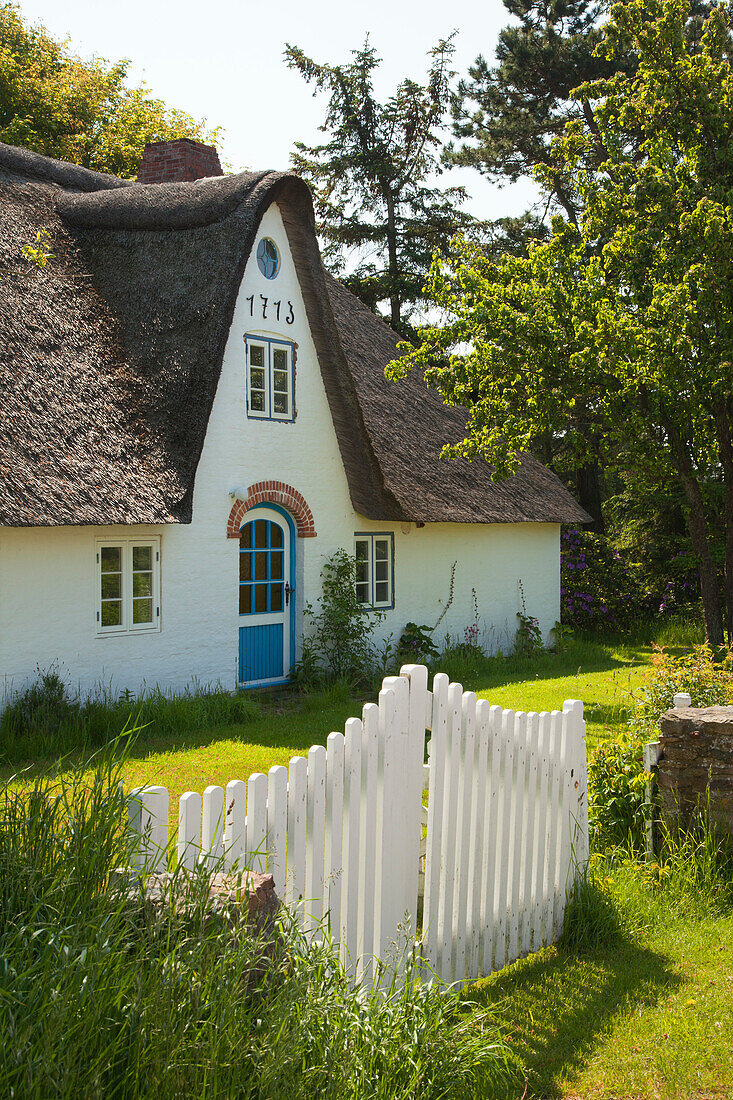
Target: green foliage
(39,253)
(591,918)
(508,114)
(616,776)
(338,643)
(562,635)
(379,219)
(416,645)
(598,590)
(619,330)
(704,674)
(694,863)
(58,104)
(45,720)
(105,996)
(528,638)
(617,793)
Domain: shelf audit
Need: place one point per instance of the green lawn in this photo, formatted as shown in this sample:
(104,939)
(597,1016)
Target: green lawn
(601,677)
(648,1015)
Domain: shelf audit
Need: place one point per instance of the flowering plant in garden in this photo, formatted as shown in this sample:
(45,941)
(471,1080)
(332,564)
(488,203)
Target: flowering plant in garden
(597,587)
(528,639)
(707,677)
(683,587)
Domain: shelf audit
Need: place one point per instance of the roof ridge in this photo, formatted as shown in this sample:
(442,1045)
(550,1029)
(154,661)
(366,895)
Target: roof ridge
(179,205)
(26,162)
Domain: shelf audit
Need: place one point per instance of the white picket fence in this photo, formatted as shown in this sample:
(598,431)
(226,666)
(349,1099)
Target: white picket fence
(343,831)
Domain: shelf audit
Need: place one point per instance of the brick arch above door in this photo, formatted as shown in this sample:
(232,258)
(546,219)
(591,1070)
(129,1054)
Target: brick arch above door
(273,492)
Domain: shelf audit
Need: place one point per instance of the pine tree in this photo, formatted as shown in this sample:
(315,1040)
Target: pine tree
(379,216)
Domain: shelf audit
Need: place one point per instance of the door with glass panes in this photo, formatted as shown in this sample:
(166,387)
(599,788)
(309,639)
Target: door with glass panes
(266,604)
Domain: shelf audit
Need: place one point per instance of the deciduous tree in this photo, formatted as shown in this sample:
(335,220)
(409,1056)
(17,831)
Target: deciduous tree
(55,103)
(624,320)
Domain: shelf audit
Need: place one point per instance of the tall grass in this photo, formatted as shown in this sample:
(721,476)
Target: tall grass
(104,995)
(46,720)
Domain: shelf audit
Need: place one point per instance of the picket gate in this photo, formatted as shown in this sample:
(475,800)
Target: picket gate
(493,856)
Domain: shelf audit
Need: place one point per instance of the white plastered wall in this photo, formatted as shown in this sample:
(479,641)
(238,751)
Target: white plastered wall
(48,575)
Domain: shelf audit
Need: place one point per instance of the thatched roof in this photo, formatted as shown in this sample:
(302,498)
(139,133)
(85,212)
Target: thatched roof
(110,356)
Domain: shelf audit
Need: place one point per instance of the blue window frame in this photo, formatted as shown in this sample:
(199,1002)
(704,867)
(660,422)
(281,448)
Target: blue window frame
(261,568)
(374,554)
(270,378)
(268,258)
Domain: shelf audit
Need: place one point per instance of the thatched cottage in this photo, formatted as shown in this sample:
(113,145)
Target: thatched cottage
(194,416)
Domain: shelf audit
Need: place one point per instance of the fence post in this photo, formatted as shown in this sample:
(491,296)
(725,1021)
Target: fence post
(579,782)
(652,752)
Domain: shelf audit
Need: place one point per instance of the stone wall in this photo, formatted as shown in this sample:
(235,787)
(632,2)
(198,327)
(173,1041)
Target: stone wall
(697,751)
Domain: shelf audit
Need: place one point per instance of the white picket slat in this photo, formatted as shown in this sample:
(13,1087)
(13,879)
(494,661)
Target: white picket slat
(297,818)
(491,834)
(256,844)
(543,786)
(235,822)
(463,838)
(350,892)
(553,838)
(436,799)
(502,838)
(335,753)
(516,836)
(477,855)
(148,814)
(212,826)
(277,824)
(315,839)
(450,818)
(189,829)
(530,834)
(368,842)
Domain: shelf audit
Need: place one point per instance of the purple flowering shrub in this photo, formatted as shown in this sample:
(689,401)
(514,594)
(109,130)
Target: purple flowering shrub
(597,588)
(683,586)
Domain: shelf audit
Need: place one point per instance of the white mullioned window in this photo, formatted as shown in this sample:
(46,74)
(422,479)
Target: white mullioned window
(374,569)
(128,585)
(270,378)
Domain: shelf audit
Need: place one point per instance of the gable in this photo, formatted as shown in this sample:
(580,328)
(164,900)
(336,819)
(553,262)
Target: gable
(110,357)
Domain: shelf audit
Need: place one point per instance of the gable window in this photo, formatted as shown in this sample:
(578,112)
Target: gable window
(269,378)
(128,585)
(268,259)
(374,569)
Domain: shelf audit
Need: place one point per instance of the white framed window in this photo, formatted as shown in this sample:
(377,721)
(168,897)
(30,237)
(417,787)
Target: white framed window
(374,569)
(128,585)
(270,378)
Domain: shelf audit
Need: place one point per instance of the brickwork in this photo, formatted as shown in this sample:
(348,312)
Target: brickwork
(178,161)
(273,492)
(697,754)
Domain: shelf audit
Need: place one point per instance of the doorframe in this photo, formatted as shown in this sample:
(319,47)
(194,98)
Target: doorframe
(291,531)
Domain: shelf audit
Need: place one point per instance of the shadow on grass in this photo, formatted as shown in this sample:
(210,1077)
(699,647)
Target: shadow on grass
(289,721)
(285,720)
(554,1008)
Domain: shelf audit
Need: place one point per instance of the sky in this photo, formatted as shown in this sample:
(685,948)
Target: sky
(222,60)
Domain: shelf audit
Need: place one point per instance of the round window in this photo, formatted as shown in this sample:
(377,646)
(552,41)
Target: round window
(268,259)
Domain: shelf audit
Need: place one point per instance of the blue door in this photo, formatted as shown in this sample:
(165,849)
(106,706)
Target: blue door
(265,598)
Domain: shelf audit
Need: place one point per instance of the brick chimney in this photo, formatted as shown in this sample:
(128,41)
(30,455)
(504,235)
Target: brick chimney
(178,161)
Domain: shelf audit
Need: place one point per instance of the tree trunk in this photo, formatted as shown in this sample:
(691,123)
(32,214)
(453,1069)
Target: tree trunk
(723,427)
(392,264)
(698,535)
(588,486)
